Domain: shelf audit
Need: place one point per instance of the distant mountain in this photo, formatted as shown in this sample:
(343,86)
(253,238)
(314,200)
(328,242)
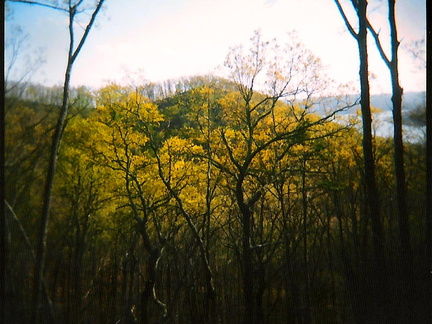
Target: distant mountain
(383,101)
(383,122)
(410,100)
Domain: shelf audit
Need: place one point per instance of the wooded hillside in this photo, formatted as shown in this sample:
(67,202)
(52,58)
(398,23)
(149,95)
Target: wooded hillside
(201,206)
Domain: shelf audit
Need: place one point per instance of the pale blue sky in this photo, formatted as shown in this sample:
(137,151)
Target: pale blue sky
(161,39)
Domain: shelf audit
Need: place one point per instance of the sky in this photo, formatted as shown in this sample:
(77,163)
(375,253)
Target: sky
(156,40)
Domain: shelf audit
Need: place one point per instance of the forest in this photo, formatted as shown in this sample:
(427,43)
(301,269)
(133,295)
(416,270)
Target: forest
(251,198)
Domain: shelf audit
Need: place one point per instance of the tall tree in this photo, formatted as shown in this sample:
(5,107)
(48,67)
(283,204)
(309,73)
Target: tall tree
(3,258)
(429,146)
(120,114)
(72,9)
(15,50)
(392,64)
(372,197)
(200,241)
(258,124)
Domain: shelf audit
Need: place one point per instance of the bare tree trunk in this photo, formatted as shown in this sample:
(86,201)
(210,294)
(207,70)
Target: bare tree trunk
(397,93)
(405,255)
(248,266)
(429,153)
(307,308)
(372,197)
(379,270)
(252,309)
(406,261)
(149,293)
(41,244)
(3,231)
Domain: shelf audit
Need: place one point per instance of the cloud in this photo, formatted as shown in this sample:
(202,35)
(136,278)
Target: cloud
(173,38)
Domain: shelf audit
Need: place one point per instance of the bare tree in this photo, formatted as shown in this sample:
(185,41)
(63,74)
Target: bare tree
(3,257)
(397,93)
(429,147)
(17,50)
(417,51)
(72,9)
(372,197)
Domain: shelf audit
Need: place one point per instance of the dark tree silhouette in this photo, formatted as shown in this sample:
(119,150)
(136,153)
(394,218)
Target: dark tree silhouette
(72,10)
(379,282)
(401,191)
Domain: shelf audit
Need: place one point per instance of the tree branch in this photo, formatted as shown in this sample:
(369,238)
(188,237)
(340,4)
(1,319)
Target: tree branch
(87,30)
(375,35)
(345,18)
(46,5)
